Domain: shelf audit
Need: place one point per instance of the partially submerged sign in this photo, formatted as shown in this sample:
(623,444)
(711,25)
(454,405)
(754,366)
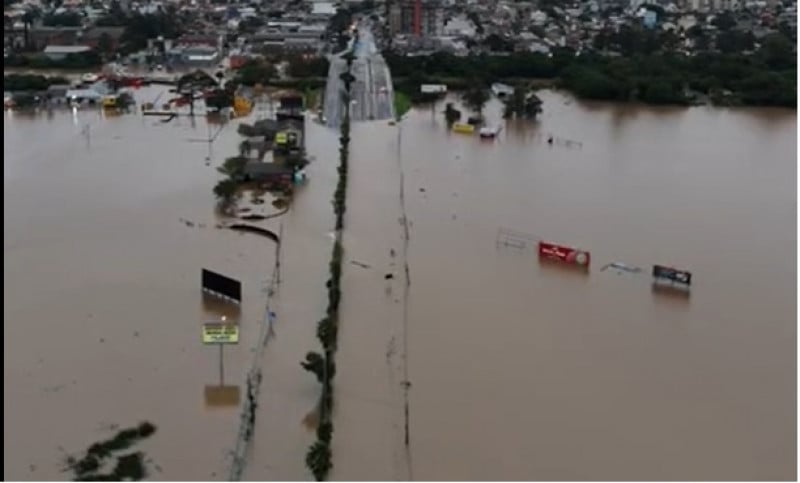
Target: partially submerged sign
(683,277)
(572,256)
(221,285)
(220,333)
(433,88)
(222,396)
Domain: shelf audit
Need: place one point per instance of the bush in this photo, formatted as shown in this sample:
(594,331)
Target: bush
(318,460)
(225,190)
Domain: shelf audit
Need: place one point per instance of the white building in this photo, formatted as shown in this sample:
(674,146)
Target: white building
(459,26)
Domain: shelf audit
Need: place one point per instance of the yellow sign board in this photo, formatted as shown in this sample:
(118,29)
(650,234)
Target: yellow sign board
(219,333)
(280,138)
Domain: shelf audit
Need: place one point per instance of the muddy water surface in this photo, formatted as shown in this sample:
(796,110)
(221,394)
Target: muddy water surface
(527,371)
(103,306)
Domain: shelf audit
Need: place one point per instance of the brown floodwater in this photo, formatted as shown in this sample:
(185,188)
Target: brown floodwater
(516,370)
(104,239)
(525,371)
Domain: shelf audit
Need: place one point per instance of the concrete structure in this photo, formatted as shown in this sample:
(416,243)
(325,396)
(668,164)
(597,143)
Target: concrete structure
(60,52)
(416,17)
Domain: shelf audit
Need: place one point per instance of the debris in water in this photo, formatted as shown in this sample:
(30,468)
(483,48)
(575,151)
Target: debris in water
(422,190)
(388,276)
(622,267)
(362,265)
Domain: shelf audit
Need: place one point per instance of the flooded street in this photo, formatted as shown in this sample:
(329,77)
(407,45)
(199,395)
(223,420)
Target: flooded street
(525,371)
(515,370)
(104,240)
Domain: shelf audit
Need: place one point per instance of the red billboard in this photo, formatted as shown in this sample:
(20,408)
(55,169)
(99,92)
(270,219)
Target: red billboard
(570,255)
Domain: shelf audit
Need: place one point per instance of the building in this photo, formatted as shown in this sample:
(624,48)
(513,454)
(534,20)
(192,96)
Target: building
(60,52)
(288,42)
(275,174)
(421,18)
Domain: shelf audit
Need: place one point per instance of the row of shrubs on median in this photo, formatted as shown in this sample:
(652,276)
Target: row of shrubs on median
(318,458)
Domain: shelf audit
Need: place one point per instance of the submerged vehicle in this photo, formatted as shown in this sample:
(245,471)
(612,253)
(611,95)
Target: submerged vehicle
(489,132)
(463,128)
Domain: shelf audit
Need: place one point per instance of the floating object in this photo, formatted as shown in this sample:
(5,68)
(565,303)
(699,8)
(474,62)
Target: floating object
(463,128)
(621,266)
(672,275)
(564,254)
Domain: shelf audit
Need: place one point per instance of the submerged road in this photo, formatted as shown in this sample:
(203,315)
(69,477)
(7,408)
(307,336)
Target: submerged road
(371,93)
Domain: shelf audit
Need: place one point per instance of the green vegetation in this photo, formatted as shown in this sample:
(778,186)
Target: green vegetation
(318,458)
(523,103)
(650,73)
(225,191)
(311,97)
(255,72)
(476,97)
(128,467)
(301,67)
(27,82)
(402,104)
(40,61)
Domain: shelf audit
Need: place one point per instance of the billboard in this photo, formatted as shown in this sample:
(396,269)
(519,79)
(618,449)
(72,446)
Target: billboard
(682,277)
(220,333)
(572,256)
(222,285)
(433,88)
(291,102)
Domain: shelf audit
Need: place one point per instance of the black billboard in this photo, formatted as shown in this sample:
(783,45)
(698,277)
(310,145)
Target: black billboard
(222,285)
(666,273)
(291,102)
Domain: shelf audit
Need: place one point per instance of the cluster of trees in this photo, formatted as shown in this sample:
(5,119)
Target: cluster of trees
(227,189)
(165,22)
(30,83)
(38,61)
(765,77)
(302,67)
(255,71)
(65,19)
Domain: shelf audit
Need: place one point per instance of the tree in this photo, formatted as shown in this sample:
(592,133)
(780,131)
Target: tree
(315,364)
(255,72)
(30,16)
(233,167)
(778,51)
(318,459)
(497,43)
(522,103)
(300,67)
(734,41)
(476,97)
(225,190)
(66,19)
(451,114)
(724,20)
(105,44)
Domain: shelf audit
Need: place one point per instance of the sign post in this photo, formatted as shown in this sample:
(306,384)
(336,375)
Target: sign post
(220,333)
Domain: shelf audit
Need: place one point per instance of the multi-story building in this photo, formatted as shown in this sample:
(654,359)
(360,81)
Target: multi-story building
(403,18)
